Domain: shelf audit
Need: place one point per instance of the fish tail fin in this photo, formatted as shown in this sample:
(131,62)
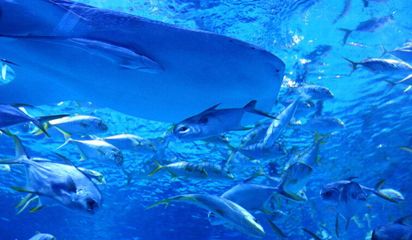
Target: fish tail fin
(384,51)
(354,65)
(347,32)
(69,140)
(42,127)
(337,226)
(20,151)
(276,229)
(377,191)
(251,108)
(293,196)
(67,136)
(157,169)
(390,83)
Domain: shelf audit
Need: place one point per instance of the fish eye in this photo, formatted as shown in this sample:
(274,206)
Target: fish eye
(327,194)
(183,129)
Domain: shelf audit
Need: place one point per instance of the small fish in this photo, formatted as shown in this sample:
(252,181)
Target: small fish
(131,142)
(213,122)
(43,236)
(97,150)
(306,65)
(279,124)
(370,25)
(389,67)
(323,124)
(313,92)
(63,183)
(12,115)
(404,53)
(399,230)
(194,170)
(227,212)
(407,149)
(77,125)
(393,194)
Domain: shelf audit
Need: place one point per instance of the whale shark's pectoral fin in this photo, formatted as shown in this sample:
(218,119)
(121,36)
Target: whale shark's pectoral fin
(122,56)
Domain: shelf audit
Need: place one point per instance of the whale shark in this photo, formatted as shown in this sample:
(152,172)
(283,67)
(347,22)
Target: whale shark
(64,50)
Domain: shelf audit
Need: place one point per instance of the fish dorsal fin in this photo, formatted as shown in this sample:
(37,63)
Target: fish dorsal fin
(209,109)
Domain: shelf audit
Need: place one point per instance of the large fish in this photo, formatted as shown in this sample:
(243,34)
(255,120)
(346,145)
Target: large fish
(134,65)
(66,184)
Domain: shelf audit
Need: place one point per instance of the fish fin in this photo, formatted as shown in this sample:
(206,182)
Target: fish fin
(293,196)
(337,226)
(276,229)
(365,3)
(38,207)
(204,172)
(312,234)
(125,57)
(246,128)
(347,32)
(27,203)
(251,108)
(83,157)
(348,220)
(67,136)
(69,140)
(157,169)
(407,149)
(20,151)
(353,64)
(23,189)
(24,200)
(166,202)
(209,109)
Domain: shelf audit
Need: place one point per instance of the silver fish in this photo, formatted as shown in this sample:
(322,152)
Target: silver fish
(232,214)
(370,25)
(213,122)
(63,183)
(194,170)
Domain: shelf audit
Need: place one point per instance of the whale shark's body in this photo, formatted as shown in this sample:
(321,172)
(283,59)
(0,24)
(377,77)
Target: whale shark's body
(71,51)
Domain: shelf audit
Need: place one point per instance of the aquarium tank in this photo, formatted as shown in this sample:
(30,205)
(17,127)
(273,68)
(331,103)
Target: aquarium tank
(205,120)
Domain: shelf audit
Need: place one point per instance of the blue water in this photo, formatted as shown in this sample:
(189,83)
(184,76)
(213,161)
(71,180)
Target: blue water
(377,121)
